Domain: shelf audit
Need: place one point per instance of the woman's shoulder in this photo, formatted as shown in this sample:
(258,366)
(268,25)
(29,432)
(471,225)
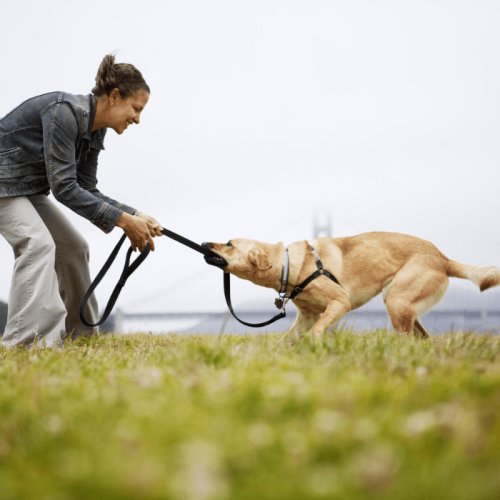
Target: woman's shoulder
(80,102)
(40,104)
(35,104)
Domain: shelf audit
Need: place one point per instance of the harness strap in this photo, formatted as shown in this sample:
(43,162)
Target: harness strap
(320,272)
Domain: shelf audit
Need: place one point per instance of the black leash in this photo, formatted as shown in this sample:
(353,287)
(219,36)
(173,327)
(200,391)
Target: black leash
(128,270)
(280,303)
(227,294)
(211,259)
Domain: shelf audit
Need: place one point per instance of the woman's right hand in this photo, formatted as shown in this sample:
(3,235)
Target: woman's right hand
(137,231)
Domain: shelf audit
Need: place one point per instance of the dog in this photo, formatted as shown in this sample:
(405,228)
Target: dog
(411,273)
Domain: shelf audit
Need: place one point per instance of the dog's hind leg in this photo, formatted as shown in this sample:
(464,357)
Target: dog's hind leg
(415,289)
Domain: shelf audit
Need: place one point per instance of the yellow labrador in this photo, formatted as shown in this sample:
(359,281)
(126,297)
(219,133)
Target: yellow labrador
(411,273)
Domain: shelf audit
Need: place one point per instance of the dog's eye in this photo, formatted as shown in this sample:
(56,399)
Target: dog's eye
(229,244)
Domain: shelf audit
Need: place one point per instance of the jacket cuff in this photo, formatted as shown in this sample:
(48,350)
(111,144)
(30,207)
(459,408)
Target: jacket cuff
(107,217)
(126,208)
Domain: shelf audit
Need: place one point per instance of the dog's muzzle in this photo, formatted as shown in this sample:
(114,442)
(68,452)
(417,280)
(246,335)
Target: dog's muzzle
(214,259)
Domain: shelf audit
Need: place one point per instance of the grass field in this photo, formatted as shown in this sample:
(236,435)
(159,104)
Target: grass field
(202,417)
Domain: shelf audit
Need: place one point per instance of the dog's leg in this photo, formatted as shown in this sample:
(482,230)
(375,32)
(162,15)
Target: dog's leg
(332,315)
(419,330)
(414,290)
(304,321)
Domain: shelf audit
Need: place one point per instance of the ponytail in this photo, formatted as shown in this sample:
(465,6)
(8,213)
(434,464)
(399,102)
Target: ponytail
(124,77)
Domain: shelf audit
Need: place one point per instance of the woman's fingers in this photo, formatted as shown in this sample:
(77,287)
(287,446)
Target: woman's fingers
(154,229)
(151,242)
(138,231)
(140,235)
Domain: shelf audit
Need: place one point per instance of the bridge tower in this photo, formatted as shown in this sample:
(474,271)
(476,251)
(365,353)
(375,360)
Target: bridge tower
(323,225)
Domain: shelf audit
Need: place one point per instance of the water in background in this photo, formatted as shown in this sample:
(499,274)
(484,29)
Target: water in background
(434,322)
(463,308)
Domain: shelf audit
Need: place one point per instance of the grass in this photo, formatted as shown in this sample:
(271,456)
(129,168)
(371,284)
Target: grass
(209,417)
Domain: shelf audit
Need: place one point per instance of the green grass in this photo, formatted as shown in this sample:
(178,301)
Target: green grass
(247,417)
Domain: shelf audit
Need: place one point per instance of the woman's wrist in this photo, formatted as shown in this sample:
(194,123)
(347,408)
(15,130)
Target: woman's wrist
(124,220)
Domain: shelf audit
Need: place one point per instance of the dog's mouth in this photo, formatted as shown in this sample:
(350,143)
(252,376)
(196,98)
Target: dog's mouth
(213,259)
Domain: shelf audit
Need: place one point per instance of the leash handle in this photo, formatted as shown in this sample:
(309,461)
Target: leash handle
(191,244)
(227,294)
(127,271)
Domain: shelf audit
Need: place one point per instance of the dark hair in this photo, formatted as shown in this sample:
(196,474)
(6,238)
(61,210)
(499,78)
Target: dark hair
(124,77)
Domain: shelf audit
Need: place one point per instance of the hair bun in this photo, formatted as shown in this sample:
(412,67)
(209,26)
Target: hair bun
(106,75)
(124,77)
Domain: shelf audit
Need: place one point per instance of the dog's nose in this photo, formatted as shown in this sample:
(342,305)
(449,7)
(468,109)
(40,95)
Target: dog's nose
(205,244)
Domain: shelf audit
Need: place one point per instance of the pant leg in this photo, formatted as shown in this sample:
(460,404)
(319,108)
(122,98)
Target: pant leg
(36,310)
(72,266)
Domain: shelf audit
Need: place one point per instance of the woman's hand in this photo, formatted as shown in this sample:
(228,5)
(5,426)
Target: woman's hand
(138,230)
(154,226)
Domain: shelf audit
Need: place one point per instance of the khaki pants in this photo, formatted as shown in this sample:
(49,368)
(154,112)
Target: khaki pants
(51,273)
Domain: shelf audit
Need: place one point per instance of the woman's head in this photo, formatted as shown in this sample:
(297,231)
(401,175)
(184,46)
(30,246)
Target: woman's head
(122,94)
(124,77)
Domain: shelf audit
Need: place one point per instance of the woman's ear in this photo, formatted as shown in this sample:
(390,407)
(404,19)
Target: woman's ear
(113,95)
(259,258)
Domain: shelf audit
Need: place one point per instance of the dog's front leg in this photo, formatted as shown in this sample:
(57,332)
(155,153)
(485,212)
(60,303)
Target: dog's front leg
(333,313)
(304,321)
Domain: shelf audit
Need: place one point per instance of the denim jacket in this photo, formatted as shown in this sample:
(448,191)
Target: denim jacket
(47,144)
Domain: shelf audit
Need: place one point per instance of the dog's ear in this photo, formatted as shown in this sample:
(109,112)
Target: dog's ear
(259,258)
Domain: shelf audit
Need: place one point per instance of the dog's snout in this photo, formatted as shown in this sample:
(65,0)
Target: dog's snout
(206,244)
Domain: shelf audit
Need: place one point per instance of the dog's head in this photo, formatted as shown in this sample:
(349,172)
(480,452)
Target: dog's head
(247,259)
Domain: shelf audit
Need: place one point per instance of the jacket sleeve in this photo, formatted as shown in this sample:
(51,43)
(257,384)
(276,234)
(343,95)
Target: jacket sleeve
(60,132)
(86,176)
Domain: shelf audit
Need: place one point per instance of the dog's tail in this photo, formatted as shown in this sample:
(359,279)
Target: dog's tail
(483,277)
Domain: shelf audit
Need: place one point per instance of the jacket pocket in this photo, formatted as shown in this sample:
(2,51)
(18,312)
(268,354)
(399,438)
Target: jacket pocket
(9,152)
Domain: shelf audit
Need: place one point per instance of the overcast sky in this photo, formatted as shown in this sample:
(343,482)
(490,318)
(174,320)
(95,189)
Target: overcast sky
(385,114)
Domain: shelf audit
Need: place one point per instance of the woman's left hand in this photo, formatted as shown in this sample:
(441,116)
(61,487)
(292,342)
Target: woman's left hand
(153,225)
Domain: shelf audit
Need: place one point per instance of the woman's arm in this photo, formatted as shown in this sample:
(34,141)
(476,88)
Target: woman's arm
(60,133)
(86,176)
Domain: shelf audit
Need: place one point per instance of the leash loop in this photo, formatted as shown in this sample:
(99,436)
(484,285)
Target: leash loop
(127,271)
(227,294)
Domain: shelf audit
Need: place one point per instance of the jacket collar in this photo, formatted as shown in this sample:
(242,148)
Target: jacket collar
(96,138)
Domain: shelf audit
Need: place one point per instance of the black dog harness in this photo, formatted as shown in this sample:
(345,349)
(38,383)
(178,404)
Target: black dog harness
(320,272)
(212,259)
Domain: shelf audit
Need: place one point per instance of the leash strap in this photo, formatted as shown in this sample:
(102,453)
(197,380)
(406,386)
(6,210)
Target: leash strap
(127,271)
(191,244)
(227,294)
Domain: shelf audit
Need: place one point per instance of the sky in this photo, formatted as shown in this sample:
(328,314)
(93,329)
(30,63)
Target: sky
(384,115)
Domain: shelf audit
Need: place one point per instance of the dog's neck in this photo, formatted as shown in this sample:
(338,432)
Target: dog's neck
(299,263)
(298,253)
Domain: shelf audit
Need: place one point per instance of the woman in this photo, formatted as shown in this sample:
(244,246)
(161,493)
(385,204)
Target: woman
(52,143)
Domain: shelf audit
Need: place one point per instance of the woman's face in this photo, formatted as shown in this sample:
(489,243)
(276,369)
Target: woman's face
(125,112)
